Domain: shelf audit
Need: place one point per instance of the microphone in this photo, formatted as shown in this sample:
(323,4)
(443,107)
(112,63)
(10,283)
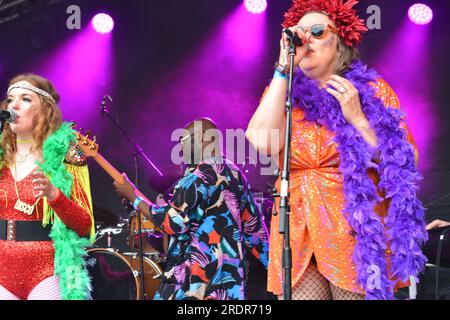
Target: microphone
(294,37)
(8,115)
(103,110)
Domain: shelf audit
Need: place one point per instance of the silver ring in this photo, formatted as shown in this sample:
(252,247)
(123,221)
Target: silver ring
(342,90)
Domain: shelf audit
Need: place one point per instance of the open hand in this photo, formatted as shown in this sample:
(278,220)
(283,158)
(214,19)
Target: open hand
(43,187)
(348,96)
(437,224)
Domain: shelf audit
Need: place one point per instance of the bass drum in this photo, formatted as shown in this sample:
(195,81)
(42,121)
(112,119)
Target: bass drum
(115,276)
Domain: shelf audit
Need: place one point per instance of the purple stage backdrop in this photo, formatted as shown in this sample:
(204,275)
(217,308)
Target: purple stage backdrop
(169,62)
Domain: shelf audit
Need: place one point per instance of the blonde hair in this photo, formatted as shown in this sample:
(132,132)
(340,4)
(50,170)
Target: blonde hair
(46,120)
(346,55)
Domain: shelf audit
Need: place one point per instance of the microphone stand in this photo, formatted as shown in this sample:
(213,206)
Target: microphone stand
(137,151)
(137,148)
(285,209)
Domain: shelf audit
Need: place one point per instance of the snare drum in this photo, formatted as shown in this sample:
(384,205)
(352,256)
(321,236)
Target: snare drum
(152,238)
(115,276)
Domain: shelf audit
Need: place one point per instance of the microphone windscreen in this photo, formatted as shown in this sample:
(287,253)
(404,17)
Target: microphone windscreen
(13,115)
(297,41)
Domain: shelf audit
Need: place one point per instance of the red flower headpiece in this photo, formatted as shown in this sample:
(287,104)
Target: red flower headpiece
(342,13)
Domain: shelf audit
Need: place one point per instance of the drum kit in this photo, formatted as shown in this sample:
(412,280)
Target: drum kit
(115,265)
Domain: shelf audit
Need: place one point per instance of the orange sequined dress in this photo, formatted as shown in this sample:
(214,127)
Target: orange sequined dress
(24,264)
(317,224)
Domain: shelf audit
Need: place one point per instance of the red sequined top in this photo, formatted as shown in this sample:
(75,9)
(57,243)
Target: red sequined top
(25,264)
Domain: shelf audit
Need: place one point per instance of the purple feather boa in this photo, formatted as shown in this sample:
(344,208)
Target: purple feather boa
(403,230)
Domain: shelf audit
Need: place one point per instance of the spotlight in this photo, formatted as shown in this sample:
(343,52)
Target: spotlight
(255,6)
(420,14)
(103,23)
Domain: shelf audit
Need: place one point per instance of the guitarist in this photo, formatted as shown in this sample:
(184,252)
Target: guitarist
(210,217)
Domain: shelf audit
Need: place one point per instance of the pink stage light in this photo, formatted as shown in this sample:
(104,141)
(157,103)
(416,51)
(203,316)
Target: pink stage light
(420,14)
(255,6)
(103,23)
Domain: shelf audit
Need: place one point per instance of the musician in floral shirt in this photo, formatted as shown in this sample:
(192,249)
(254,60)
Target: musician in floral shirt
(210,218)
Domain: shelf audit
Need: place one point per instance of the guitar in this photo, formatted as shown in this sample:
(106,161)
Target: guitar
(90,149)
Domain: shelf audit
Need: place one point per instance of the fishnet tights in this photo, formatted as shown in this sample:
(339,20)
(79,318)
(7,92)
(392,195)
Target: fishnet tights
(314,286)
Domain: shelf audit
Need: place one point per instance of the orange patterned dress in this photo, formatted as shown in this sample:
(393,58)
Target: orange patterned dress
(317,224)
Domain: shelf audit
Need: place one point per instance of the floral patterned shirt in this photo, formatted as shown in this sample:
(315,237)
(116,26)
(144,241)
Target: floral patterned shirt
(211,216)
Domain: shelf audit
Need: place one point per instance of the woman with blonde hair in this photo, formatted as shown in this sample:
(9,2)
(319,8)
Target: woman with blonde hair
(357,225)
(45,201)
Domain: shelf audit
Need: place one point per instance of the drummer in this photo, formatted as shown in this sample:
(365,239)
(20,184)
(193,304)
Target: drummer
(210,218)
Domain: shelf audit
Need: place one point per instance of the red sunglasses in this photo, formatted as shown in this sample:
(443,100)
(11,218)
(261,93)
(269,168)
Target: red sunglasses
(318,30)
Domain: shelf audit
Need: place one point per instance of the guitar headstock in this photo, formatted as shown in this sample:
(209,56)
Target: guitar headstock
(88,146)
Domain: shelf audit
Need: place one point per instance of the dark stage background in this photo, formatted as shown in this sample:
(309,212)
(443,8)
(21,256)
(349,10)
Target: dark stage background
(168,62)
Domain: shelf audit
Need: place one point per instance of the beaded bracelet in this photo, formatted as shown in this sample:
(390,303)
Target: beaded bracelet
(278,74)
(280,71)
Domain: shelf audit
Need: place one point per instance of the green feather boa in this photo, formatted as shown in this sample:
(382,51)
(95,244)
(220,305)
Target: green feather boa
(70,265)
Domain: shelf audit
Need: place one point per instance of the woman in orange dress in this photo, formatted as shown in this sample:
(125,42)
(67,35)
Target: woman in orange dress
(356,223)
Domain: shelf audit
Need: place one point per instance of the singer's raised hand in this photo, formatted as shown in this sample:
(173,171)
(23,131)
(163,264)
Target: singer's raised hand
(284,48)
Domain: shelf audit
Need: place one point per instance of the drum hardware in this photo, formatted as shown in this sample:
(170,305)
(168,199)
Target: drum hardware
(151,232)
(136,273)
(137,213)
(154,256)
(148,232)
(123,237)
(123,222)
(109,232)
(151,235)
(265,204)
(98,225)
(275,194)
(101,232)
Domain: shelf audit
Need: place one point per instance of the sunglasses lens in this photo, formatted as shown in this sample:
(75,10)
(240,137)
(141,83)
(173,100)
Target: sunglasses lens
(317,30)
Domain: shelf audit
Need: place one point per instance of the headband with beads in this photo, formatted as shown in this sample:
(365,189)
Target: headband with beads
(28,86)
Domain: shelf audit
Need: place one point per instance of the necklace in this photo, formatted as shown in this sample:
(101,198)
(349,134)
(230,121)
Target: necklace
(20,205)
(21,158)
(19,141)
